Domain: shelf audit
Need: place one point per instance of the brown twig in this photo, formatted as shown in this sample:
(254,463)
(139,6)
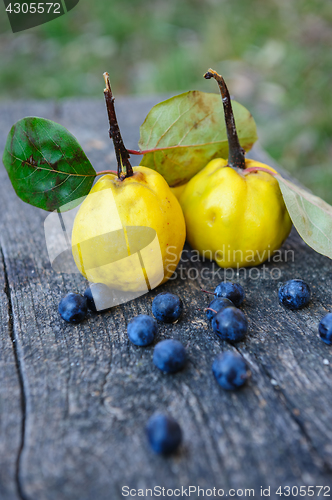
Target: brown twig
(205,291)
(210,309)
(235,151)
(124,167)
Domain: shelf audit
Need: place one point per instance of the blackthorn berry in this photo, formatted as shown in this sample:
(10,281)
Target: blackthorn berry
(169,356)
(73,308)
(230,324)
(230,370)
(217,304)
(325,329)
(231,291)
(167,307)
(99,297)
(142,330)
(164,433)
(294,294)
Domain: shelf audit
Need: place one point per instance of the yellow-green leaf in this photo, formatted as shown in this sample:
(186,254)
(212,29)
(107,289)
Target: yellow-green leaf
(187,131)
(311,216)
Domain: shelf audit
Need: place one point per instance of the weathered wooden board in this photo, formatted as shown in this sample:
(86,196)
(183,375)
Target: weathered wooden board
(88,392)
(11,414)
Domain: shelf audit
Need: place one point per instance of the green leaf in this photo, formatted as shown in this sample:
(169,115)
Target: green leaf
(311,216)
(46,164)
(187,131)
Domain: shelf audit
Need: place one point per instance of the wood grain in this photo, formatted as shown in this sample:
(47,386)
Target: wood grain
(87,392)
(11,414)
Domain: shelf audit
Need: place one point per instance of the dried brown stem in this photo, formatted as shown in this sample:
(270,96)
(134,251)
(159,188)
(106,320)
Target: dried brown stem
(122,156)
(235,151)
(210,309)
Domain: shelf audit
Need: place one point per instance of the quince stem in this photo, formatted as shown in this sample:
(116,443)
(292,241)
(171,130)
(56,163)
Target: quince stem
(103,172)
(235,151)
(210,309)
(259,169)
(122,156)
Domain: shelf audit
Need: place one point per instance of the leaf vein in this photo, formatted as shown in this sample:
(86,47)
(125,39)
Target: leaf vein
(58,146)
(195,125)
(174,122)
(50,169)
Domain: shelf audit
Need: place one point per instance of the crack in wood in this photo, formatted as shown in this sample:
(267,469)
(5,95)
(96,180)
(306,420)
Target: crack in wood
(321,462)
(18,364)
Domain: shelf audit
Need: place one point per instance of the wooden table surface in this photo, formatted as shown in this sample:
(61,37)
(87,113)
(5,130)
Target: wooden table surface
(74,400)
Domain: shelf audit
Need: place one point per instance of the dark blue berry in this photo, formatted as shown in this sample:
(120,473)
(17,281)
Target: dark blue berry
(169,356)
(99,297)
(167,307)
(230,324)
(231,291)
(73,308)
(218,304)
(325,329)
(230,370)
(142,330)
(164,434)
(294,294)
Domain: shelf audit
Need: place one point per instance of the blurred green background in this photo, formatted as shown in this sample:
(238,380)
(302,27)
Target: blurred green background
(274,54)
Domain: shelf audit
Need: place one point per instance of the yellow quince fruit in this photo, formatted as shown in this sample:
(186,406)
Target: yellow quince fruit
(126,226)
(234,217)
(129,231)
(234,209)
(178,190)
